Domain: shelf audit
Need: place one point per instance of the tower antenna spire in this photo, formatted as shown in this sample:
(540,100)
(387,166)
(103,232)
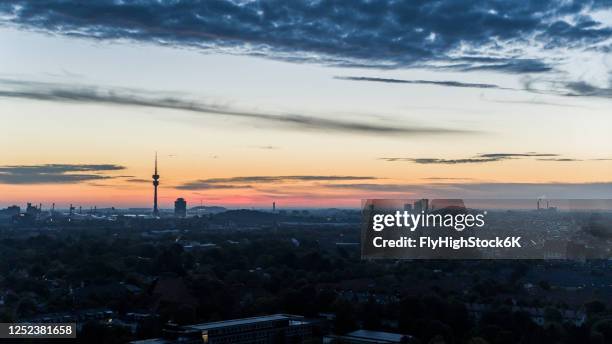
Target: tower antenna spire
(155,185)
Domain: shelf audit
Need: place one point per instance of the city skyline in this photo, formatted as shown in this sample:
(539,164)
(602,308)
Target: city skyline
(312,115)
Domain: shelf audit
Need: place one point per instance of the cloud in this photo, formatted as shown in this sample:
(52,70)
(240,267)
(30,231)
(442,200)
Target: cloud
(138,180)
(567,88)
(129,97)
(514,155)
(532,101)
(275,179)
(421,82)
(584,89)
(203,185)
(559,159)
(598,190)
(573,159)
(55,173)
(464,35)
(602,190)
(266,147)
(246,181)
(465,190)
(540,86)
(477,159)
(513,66)
(377,187)
(446,178)
(443,161)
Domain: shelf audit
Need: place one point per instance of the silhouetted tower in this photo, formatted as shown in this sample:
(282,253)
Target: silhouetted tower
(180,207)
(274,207)
(155,185)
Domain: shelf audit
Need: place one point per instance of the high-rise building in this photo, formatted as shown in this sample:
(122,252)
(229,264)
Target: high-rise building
(10,211)
(31,210)
(180,207)
(421,205)
(155,185)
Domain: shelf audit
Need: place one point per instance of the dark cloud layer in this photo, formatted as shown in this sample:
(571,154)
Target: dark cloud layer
(559,159)
(55,173)
(514,155)
(382,34)
(129,97)
(477,159)
(550,87)
(138,180)
(602,190)
(443,161)
(567,88)
(446,178)
(584,89)
(202,185)
(246,181)
(421,82)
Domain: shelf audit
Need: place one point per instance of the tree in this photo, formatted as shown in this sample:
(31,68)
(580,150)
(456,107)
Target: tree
(604,327)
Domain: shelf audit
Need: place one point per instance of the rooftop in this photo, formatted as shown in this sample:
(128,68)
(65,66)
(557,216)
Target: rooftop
(377,336)
(151,341)
(238,322)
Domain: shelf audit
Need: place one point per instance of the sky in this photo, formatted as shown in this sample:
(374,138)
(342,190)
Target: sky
(305,103)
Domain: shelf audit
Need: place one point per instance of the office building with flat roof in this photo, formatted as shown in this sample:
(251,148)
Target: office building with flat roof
(276,328)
